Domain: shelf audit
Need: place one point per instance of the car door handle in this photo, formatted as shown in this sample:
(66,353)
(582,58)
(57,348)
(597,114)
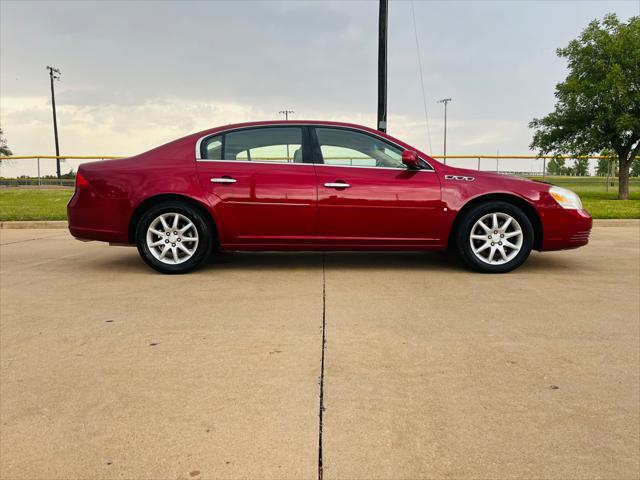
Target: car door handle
(337,185)
(223,180)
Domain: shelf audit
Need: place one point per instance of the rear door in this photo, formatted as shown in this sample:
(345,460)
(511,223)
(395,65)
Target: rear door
(261,187)
(366,195)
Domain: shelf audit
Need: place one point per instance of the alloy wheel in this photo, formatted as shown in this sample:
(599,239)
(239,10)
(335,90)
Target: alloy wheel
(172,238)
(496,238)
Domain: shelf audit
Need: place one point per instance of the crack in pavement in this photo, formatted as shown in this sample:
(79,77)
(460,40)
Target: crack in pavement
(33,239)
(324,342)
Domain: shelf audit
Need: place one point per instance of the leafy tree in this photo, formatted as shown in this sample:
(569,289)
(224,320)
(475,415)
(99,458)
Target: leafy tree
(635,168)
(581,167)
(556,166)
(4,150)
(603,168)
(70,174)
(604,165)
(598,104)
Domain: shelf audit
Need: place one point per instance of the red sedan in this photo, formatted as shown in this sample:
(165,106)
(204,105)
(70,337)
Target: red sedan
(307,185)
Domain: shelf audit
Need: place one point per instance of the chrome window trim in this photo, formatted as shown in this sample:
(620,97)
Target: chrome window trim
(397,169)
(198,144)
(315,125)
(209,160)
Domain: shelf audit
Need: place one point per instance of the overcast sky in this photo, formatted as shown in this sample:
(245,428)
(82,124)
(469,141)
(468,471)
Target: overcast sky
(138,74)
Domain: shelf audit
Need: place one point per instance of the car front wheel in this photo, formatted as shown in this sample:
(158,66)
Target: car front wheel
(173,237)
(495,237)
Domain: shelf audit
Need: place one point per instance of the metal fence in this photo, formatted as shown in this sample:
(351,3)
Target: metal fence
(38,180)
(477,162)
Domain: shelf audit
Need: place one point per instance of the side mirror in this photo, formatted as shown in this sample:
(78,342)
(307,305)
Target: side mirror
(411,160)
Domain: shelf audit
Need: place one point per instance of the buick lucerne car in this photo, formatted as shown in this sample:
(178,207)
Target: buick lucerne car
(312,185)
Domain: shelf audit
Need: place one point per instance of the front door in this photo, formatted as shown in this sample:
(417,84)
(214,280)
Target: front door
(367,196)
(262,190)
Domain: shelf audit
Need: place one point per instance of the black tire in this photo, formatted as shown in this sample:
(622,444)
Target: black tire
(204,231)
(463,235)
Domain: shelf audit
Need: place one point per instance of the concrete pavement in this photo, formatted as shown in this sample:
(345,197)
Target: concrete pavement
(109,370)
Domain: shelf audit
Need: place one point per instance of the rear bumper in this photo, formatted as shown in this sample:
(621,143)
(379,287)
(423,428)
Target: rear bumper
(88,234)
(564,229)
(93,217)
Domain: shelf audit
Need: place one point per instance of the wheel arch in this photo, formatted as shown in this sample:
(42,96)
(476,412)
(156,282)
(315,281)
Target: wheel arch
(154,200)
(519,202)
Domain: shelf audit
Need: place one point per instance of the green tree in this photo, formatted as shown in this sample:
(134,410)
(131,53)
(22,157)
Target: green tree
(581,167)
(598,104)
(635,168)
(603,168)
(604,164)
(4,150)
(556,166)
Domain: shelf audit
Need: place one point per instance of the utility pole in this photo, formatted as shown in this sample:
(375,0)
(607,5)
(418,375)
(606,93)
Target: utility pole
(445,101)
(286,113)
(286,117)
(54,74)
(382,66)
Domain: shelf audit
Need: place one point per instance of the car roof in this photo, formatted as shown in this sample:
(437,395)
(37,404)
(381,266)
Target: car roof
(233,126)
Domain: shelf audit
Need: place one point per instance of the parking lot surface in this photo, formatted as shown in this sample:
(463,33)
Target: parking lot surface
(110,370)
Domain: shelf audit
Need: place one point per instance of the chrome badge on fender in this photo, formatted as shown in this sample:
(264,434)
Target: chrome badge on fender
(459,177)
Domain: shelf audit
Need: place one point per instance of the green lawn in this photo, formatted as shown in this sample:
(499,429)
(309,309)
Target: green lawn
(51,204)
(21,204)
(598,202)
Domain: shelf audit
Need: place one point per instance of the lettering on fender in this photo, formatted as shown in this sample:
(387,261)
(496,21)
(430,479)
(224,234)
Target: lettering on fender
(459,177)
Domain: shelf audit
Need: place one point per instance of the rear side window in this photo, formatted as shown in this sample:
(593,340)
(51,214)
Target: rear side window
(213,148)
(278,145)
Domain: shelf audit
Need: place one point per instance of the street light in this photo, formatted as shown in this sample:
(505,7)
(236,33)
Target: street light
(54,74)
(445,101)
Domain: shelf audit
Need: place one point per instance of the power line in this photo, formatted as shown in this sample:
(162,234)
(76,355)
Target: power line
(424,98)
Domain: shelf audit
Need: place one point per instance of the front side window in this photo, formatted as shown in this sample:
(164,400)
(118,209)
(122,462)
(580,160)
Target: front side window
(269,144)
(345,147)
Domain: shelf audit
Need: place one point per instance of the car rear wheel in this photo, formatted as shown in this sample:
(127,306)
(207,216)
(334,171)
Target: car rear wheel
(495,237)
(173,237)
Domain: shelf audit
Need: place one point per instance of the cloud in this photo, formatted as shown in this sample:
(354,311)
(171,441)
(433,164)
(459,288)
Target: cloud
(137,74)
(127,129)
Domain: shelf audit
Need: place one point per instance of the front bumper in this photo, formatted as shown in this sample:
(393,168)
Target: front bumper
(564,229)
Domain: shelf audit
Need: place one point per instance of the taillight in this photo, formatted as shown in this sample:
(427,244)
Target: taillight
(81,182)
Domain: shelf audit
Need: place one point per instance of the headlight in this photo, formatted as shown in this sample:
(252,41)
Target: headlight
(566,198)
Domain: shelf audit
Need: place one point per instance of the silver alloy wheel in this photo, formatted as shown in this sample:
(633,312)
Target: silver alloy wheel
(496,238)
(172,238)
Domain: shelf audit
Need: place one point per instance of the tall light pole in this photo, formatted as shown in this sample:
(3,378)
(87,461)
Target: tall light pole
(382,66)
(54,74)
(445,101)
